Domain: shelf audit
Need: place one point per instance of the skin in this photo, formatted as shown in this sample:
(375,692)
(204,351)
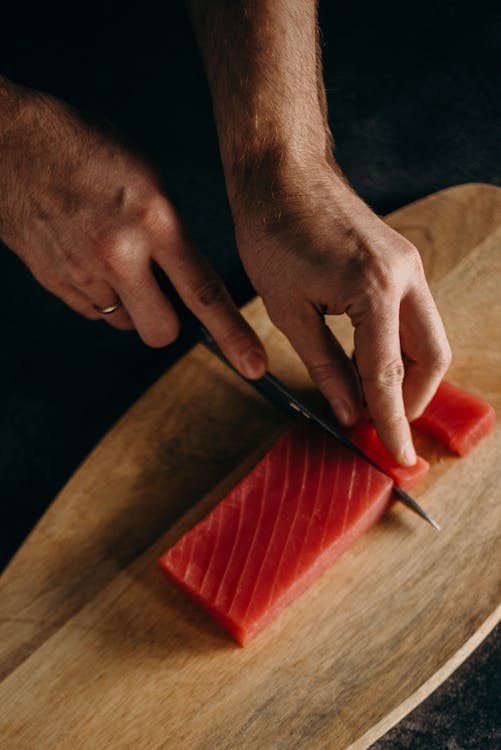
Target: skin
(310,245)
(90,218)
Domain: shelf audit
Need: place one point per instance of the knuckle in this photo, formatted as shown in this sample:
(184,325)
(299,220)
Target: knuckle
(380,277)
(210,293)
(411,257)
(116,254)
(389,376)
(158,215)
(388,272)
(414,268)
(110,249)
(81,276)
(441,360)
(406,249)
(237,341)
(392,422)
(321,373)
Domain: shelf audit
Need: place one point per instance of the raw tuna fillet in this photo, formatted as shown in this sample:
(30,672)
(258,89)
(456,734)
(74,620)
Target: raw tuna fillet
(278,530)
(365,437)
(457,418)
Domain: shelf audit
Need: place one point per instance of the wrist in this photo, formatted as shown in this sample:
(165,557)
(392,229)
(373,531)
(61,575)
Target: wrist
(270,186)
(269,150)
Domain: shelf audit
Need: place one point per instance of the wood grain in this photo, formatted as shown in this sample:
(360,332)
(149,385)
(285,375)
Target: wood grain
(97,650)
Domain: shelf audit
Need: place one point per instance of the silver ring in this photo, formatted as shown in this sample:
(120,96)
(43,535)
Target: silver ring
(109,309)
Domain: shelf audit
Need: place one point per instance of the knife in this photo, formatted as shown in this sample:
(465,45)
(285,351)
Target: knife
(277,392)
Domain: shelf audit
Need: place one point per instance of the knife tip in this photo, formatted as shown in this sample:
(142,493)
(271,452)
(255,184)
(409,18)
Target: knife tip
(434,523)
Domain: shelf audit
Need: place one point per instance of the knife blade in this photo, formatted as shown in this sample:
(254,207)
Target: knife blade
(277,392)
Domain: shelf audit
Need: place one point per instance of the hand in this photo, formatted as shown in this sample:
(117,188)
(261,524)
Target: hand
(308,243)
(89,218)
(313,248)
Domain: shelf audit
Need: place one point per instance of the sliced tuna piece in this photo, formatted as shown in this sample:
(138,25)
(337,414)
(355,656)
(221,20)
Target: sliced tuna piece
(365,437)
(457,418)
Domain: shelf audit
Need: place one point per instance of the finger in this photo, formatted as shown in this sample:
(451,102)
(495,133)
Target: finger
(206,296)
(77,301)
(377,346)
(149,308)
(329,367)
(425,345)
(101,295)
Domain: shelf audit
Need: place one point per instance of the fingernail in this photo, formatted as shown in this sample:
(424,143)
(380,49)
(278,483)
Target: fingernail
(341,410)
(408,454)
(253,364)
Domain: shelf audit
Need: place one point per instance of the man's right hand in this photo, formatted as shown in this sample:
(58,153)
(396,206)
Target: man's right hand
(88,216)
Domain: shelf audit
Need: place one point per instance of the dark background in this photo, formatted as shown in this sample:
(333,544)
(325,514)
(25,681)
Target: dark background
(414,98)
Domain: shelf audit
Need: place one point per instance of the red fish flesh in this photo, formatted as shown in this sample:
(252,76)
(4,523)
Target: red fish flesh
(299,509)
(366,438)
(278,530)
(457,418)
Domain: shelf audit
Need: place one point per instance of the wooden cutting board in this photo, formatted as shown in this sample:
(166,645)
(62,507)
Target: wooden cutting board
(98,651)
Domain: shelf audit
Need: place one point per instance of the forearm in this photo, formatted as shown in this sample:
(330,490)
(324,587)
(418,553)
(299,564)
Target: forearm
(312,247)
(263,65)
(11,142)
(10,102)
